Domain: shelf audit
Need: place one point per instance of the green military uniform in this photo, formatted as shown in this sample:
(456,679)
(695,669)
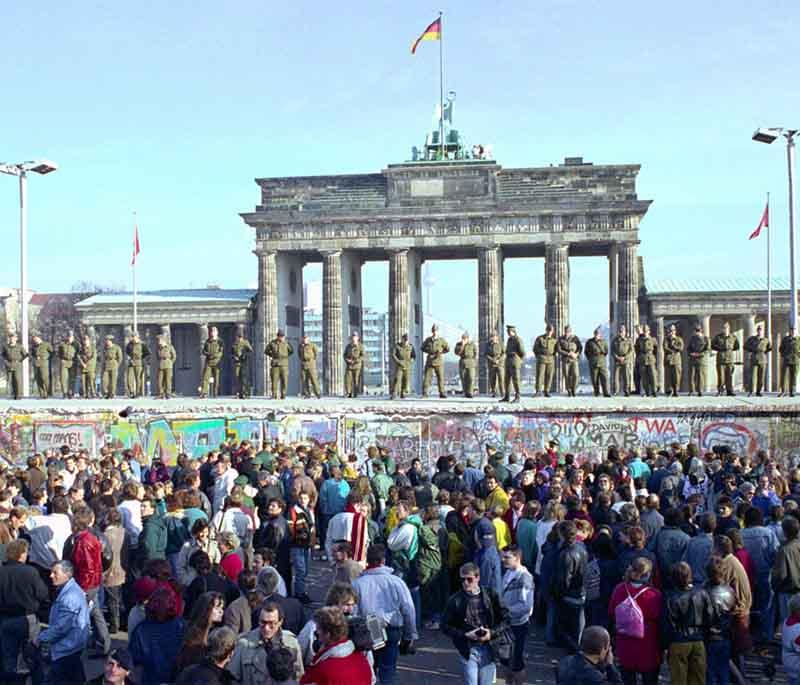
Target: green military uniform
(308,369)
(67,351)
(353,367)
(213,350)
(569,349)
(622,354)
(241,352)
(279,351)
(758,348)
(698,351)
(495,361)
(725,346)
(111,362)
(403,356)
(137,354)
(87,367)
(646,346)
(13,356)
(434,349)
(790,354)
(40,354)
(596,351)
(166,360)
(467,352)
(515,355)
(544,347)
(673,360)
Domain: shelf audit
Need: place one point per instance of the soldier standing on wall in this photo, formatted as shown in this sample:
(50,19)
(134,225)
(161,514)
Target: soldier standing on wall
(403,355)
(354,366)
(14,356)
(241,352)
(515,355)
(307,351)
(623,355)
(467,352)
(698,350)
(646,347)
(673,360)
(544,348)
(279,351)
(112,358)
(435,348)
(596,351)
(67,351)
(212,356)
(137,354)
(495,360)
(87,363)
(570,348)
(41,352)
(725,344)
(758,347)
(166,360)
(790,357)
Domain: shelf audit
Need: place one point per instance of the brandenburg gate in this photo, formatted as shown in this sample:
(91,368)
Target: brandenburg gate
(459,209)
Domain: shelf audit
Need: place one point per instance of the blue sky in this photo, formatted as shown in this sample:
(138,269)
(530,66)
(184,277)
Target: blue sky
(172,109)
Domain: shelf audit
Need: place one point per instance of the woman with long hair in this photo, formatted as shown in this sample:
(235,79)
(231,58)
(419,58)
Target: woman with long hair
(155,642)
(207,614)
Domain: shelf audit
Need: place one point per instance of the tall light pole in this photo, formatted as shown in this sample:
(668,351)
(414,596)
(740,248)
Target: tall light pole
(21,170)
(770,135)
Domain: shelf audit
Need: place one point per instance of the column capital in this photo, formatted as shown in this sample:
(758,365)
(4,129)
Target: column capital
(330,253)
(397,250)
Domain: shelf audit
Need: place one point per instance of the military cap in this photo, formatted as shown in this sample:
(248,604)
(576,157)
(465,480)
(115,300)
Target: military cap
(511,328)
(434,327)
(404,336)
(281,334)
(109,337)
(698,327)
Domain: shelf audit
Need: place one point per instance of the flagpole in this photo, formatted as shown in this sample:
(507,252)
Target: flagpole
(441,84)
(133,267)
(769,300)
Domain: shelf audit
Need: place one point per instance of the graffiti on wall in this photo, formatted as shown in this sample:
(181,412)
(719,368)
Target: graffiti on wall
(466,436)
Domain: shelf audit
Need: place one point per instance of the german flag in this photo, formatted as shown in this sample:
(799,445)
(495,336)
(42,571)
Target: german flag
(433,32)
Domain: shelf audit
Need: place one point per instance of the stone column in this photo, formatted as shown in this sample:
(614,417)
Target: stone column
(628,288)
(202,336)
(749,323)
(490,306)
(266,315)
(660,334)
(398,302)
(332,344)
(705,322)
(613,317)
(556,283)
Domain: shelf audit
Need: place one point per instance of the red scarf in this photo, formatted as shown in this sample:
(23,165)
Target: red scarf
(358,534)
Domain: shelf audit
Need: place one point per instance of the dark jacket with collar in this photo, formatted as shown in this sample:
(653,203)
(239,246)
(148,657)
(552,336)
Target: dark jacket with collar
(22,590)
(455,613)
(204,673)
(578,670)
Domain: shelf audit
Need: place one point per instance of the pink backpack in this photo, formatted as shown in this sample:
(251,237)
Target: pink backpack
(628,617)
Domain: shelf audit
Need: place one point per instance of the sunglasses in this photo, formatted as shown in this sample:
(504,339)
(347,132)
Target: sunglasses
(468,579)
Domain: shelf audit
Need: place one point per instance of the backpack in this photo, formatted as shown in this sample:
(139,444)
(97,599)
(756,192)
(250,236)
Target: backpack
(628,617)
(593,580)
(429,556)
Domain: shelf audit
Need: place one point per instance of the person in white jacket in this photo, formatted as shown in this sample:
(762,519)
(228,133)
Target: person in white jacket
(225,479)
(517,597)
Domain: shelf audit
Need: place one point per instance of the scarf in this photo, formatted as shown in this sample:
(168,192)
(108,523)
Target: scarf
(358,534)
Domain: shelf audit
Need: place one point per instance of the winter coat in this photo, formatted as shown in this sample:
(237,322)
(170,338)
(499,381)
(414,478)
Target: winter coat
(338,664)
(639,654)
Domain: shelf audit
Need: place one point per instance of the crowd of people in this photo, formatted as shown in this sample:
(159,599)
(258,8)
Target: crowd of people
(637,559)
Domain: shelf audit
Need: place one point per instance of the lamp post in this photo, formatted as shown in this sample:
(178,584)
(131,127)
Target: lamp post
(768,136)
(21,170)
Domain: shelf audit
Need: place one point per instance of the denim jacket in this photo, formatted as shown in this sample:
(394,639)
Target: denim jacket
(517,595)
(68,626)
(761,544)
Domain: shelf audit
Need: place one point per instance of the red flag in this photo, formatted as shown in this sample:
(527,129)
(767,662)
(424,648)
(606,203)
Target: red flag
(135,244)
(764,223)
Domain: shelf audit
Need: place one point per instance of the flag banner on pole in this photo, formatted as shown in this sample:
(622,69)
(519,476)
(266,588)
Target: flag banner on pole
(764,223)
(135,244)
(433,32)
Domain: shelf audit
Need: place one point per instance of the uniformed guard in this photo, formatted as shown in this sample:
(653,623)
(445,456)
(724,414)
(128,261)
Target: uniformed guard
(87,366)
(646,346)
(544,348)
(67,351)
(138,354)
(166,360)
(213,350)
(757,347)
(434,348)
(496,362)
(790,358)
(354,358)
(467,353)
(308,353)
(14,355)
(699,347)
(403,355)
(623,355)
(725,344)
(596,351)
(112,358)
(515,356)
(637,375)
(673,361)
(569,349)
(242,352)
(41,352)
(279,350)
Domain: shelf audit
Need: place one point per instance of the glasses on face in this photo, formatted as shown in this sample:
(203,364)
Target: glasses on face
(269,624)
(468,579)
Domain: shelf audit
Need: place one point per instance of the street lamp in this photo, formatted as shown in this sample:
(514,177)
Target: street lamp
(21,170)
(768,136)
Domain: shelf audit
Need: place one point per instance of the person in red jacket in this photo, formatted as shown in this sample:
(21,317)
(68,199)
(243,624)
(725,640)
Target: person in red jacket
(87,558)
(639,654)
(337,662)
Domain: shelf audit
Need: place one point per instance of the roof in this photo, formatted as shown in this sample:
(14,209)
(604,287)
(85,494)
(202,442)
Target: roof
(710,285)
(170,296)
